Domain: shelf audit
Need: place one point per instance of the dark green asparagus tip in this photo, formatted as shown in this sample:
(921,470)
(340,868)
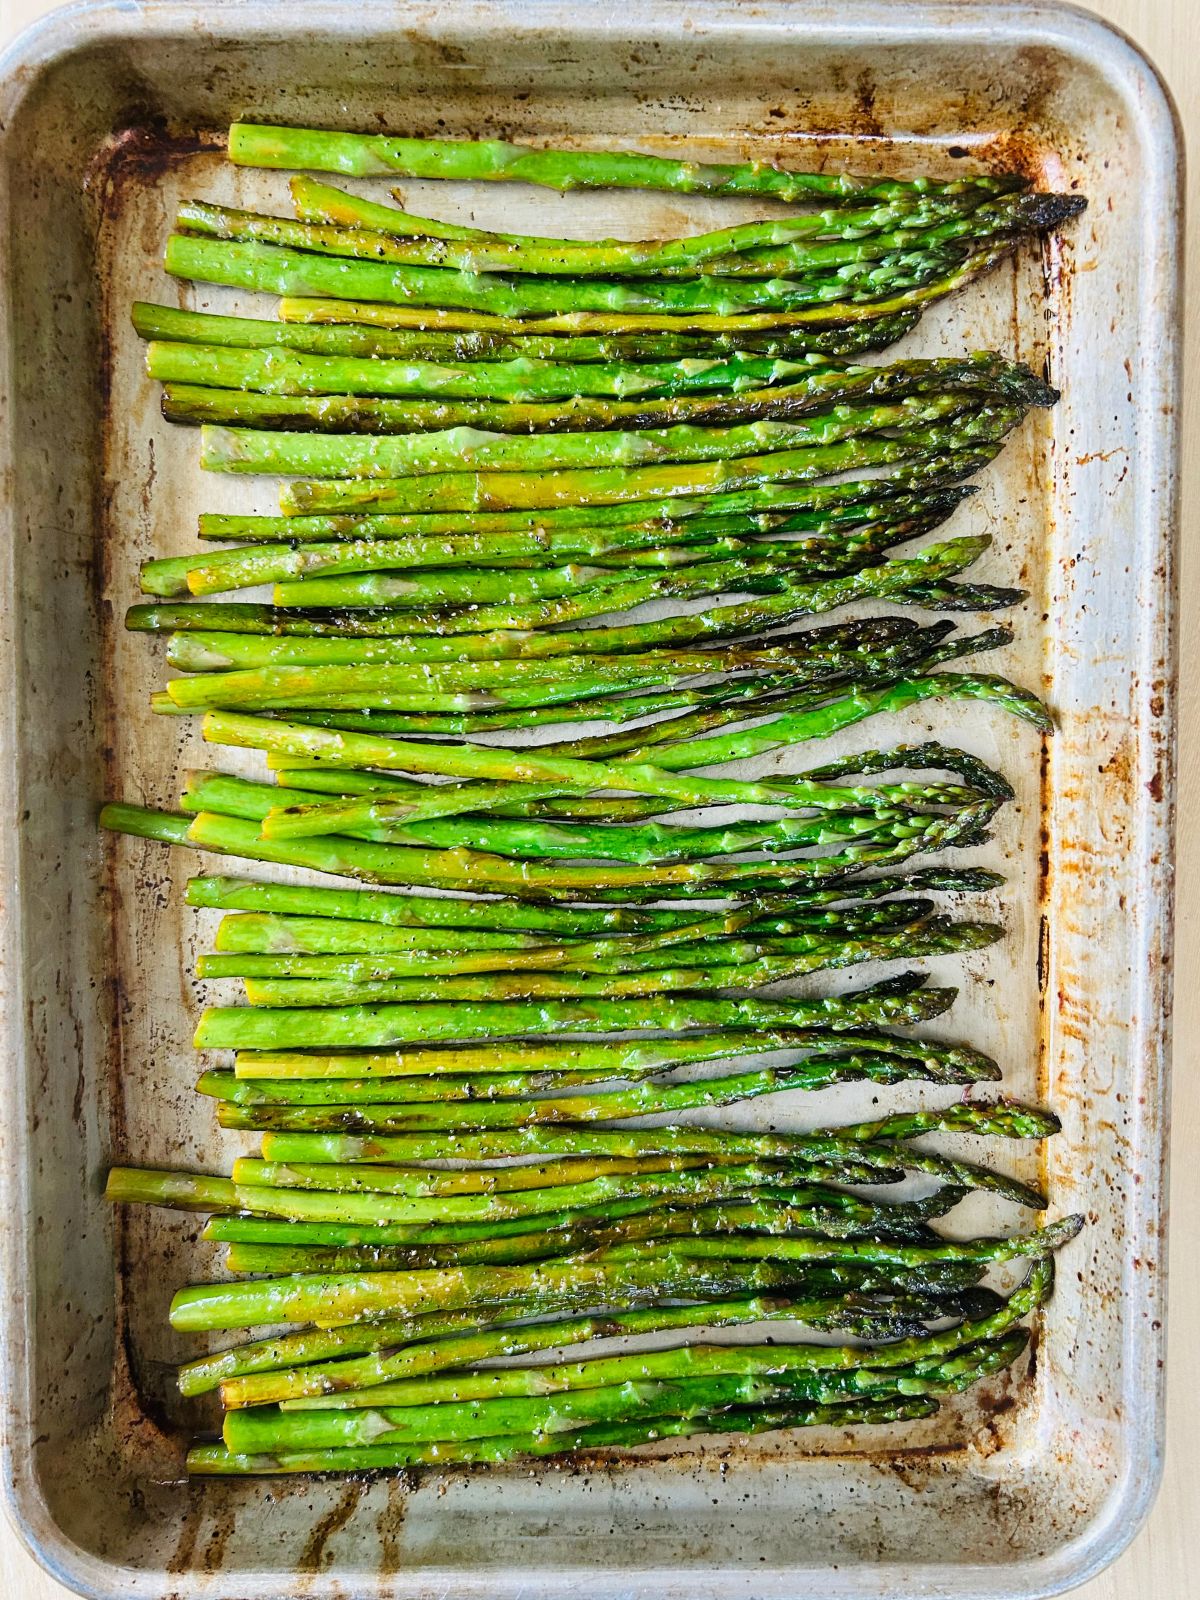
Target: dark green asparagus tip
(1044,211)
(1023,386)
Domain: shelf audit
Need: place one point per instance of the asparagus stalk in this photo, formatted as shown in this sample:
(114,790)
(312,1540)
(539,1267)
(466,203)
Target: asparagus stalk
(706,952)
(800,247)
(226,570)
(215,1460)
(267,1429)
(276,370)
(314,1101)
(800,244)
(619,1059)
(331,1350)
(379,1027)
(367,413)
(379,1364)
(340,328)
(471,449)
(341,1296)
(480,873)
(840,1156)
(506,536)
(818,722)
(918,1352)
(417,1198)
(760,333)
(368,155)
(898,282)
(595,1231)
(551,1286)
(304,936)
(529,765)
(323,939)
(346,783)
(601,592)
(875,642)
(936,937)
(847,810)
(322,202)
(591,488)
(772,1184)
(415,911)
(469,724)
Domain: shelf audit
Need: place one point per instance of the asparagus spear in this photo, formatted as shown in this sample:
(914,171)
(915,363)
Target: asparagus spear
(890,842)
(459,601)
(340,1296)
(480,873)
(332,222)
(300,1363)
(839,1155)
(243,406)
(936,937)
(367,155)
(640,548)
(378,1364)
(379,1027)
(757,250)
(817,722)
(845,811)
(416,911)
(322,1104)
(345,224)
(916,1058)
(875,642)
(919,1352)
(340,328)
(215,1460)
(409,1208)
(897,282)
(267,1429)
(266,935)
(588,489)
(530,766)
(471,449)
(550,1286)
(469,724)
(600,1230)
(889,579)
(276,370)
(757,332)
(772,1183)
(322,202)
(280,939)
(346,783)
(704,952)
(506,536)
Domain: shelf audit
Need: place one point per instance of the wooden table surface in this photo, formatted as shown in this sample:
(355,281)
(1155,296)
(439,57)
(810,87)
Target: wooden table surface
(1158,1563)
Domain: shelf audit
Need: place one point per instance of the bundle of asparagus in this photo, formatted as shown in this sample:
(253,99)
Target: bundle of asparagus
(498,447)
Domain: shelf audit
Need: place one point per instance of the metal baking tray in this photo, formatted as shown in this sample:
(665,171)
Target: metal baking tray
(108,115)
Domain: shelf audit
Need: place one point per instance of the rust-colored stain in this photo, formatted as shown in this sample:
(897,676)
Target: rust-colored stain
(315,1556)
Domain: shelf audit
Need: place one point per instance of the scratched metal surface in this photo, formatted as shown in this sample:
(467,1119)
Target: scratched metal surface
(1018,1489)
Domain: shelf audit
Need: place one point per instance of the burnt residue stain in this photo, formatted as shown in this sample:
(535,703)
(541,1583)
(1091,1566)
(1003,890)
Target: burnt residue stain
(312,1557)
(142,151)
(181,1558)
(389,1525)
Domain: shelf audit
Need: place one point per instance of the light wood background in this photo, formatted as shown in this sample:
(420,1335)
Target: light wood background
(1163,1563)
